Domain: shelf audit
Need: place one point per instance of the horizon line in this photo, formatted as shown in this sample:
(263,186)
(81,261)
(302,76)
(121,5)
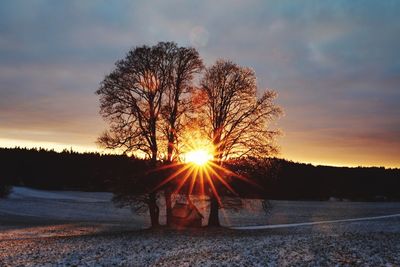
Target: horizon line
(73,149)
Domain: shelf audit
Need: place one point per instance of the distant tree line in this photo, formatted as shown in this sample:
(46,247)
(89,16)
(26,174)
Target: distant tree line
(295,181)
(269,179)
(66,170)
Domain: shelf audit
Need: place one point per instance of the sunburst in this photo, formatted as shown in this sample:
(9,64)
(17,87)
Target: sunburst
(197,167)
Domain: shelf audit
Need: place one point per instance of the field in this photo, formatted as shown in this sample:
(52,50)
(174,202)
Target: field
(44,228)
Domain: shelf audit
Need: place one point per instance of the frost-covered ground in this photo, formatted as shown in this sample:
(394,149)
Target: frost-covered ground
(42,228)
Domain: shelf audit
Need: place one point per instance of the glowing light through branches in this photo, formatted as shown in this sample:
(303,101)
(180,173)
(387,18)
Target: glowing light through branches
(199,157)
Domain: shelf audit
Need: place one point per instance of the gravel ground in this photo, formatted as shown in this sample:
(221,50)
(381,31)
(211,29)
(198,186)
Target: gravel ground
(366,243)
(40,228)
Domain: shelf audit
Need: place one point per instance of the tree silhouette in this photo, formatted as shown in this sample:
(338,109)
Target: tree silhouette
(185,63)
(5,189)
(142,99)
(235,119)
(131,101)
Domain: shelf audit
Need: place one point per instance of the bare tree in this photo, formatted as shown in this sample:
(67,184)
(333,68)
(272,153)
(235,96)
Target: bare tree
(236,120)
(143,101)
(131,101)
(185,63)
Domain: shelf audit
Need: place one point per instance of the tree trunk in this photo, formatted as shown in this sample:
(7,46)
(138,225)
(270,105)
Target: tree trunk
(167,191)
(170,149)
(153,207)
(154,210)
(168,205)
(213,220)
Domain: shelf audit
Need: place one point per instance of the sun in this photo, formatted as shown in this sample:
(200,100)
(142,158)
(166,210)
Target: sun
(198,168)
(199,157)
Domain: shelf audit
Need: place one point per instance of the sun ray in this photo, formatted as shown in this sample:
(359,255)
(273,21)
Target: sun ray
(193,181)
(231,173)
(172,176)
(222,180)
(202,191)
(184,179)
(214,190)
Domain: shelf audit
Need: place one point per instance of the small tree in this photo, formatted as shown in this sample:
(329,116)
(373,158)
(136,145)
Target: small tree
(131,191)
(5,190)
(235,119)
(5,187)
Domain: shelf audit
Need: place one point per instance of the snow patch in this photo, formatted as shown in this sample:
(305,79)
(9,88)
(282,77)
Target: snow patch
(24,192)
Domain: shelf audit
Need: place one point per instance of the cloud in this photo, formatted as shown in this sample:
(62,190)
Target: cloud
(333,64)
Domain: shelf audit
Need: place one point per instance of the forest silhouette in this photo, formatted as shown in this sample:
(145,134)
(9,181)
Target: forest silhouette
(69,170)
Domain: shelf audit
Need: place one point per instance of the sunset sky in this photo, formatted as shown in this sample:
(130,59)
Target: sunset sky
(334,64)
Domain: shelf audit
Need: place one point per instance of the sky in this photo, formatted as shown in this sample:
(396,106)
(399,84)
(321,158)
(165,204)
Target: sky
(334,64)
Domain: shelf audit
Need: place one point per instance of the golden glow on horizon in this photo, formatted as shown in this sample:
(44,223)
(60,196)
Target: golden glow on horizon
(291,151)
(12,143)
